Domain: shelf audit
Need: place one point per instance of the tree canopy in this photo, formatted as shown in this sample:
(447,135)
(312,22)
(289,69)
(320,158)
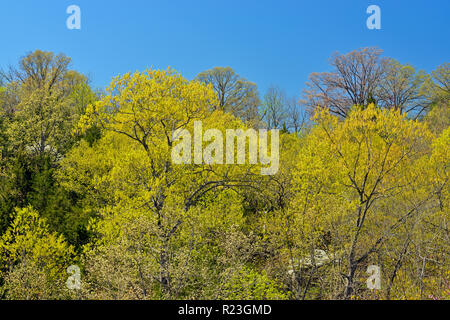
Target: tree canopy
(88,182)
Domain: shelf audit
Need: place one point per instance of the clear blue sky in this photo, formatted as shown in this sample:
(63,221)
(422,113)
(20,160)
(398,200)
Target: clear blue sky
(268,42)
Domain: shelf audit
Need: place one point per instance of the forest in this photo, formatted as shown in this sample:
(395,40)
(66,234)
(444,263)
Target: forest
(93,207)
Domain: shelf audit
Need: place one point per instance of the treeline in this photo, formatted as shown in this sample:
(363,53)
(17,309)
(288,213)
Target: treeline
(86,179)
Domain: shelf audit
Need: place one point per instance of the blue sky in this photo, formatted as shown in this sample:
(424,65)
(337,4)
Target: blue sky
(268,42)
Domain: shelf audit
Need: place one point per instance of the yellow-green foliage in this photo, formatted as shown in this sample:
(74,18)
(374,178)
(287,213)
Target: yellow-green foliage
(249,284)
(28,237)
(33,260)
(368,189)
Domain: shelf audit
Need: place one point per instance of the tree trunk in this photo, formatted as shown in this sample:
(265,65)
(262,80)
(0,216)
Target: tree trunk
(350,279)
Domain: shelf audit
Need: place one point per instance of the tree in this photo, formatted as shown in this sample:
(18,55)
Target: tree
(295,115)
(362,77)
(129,176)
(437,88)
(235,94)
(354,79)
(441,80)
(402,88)
(274,108)
(33,260)
(40,107)
(351,179)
